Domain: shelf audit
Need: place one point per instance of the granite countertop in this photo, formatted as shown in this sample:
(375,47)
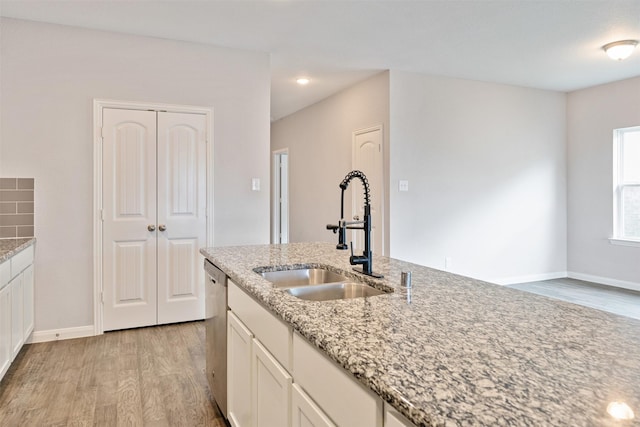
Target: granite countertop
(10,247)
(462,351)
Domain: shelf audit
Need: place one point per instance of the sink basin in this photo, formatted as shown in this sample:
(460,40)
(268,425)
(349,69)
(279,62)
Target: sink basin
(302,277)
(318,284)
(334,291)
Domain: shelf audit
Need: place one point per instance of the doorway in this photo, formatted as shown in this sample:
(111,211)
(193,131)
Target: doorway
(280,215)
(153,168)
(368,157)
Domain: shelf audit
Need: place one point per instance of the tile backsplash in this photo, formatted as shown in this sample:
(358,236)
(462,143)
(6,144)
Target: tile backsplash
(16,208)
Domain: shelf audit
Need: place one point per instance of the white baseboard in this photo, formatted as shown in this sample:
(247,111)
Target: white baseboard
(530,278)
(61,334)
(604,281)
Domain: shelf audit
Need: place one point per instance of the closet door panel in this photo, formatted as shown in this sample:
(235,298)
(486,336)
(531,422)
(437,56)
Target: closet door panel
(129,211)
(182,148)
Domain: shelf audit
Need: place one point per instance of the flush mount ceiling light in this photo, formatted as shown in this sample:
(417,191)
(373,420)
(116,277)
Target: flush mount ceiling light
(302,81)
(620,50)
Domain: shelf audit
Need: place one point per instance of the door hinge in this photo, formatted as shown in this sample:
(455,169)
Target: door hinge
(102,297)
(102,215)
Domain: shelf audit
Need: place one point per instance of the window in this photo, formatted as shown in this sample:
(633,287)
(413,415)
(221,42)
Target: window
(626,180)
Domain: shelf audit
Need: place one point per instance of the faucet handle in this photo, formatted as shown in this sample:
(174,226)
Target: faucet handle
(333,227)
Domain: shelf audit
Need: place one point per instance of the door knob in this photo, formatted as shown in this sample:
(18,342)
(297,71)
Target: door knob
(162,227)
(151,227)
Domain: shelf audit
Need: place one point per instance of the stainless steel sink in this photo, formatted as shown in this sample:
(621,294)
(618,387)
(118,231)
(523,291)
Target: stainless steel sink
(334,291)
(318,284)
(303,277)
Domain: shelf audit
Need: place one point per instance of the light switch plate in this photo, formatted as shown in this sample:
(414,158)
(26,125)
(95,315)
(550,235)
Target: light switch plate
(403,185)
(255,184)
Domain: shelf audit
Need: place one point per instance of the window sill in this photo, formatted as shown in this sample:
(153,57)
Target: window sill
(624,242)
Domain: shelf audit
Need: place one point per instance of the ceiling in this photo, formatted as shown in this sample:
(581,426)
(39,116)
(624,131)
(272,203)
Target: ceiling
(549,44)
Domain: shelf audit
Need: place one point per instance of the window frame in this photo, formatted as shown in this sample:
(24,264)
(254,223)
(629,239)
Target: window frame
(618,187)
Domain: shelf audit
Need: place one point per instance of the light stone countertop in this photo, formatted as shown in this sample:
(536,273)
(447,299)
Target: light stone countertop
(10,247)
(462,352)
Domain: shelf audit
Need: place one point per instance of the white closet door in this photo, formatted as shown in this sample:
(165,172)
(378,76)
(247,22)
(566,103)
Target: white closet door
(129,211)
(182,203)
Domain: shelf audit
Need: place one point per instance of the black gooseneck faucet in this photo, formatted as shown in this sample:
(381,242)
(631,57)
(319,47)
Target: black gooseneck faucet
(366,259)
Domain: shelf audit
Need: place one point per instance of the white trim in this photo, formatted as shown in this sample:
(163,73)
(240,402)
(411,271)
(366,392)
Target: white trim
(275,185)
(619,184)
(61,334)
(98,106)
(504,281)
(605,281)
(624,242)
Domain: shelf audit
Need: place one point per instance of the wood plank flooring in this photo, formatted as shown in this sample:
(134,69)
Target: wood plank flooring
(602,297)
(140,377)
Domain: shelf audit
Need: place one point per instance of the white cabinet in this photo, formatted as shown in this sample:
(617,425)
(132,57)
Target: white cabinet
(239,357)
(304,411)
(28,300)
(393,418)
(5,329)
(271,389)
(16,305)
(276,378)
(17,315)
(346,401)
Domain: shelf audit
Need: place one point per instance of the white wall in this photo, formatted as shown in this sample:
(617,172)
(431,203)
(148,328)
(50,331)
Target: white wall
(593,114)
(50,76)
(319,139)
(486,165)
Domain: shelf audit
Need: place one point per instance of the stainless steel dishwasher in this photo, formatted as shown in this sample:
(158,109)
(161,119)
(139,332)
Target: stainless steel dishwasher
(216,333)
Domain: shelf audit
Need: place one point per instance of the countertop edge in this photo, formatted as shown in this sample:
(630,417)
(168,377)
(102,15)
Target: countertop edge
(15,246)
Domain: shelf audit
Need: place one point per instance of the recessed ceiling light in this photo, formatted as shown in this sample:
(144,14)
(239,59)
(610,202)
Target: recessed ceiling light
(303,81)
(620,50)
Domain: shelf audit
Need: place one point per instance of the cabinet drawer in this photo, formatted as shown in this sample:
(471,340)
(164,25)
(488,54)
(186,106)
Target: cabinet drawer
(304,411)
(272,332)
(21,260)
(340,396)
(5,273)
(393,418)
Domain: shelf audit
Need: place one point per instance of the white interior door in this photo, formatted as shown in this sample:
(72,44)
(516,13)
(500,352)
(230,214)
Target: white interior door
(182,206)
(368,158)
(154,217)
(129,218)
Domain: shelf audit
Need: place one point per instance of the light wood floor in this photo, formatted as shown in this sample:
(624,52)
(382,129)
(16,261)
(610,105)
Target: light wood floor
(140,377)
(607,298)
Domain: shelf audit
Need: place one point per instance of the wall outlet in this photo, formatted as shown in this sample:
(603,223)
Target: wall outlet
(255,184)
(403,185)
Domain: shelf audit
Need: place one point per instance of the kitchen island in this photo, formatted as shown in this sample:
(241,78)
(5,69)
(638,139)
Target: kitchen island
(454,350)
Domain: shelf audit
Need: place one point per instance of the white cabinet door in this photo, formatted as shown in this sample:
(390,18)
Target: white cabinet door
(17,310)
(304,411)
(5,330)
(239,381)
(340,396)
(28,313)
(393,418)
(271,390)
